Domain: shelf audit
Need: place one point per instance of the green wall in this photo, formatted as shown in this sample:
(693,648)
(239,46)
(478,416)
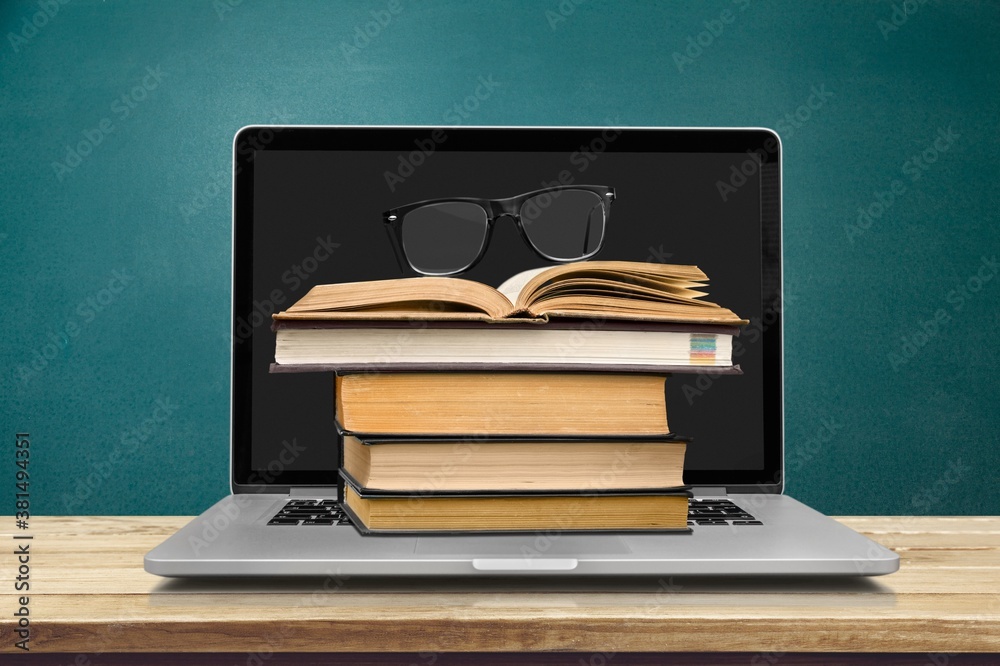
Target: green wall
(116,264)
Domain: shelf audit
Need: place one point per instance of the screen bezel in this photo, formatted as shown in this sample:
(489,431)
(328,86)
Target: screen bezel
(760,142)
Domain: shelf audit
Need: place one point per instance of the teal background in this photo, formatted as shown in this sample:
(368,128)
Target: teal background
(915,433)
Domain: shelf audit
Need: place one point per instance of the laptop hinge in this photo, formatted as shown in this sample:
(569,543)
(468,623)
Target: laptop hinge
(328,492)
(708,491)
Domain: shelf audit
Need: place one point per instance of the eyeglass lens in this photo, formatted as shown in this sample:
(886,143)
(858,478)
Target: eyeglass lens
(445,237)
(564,224)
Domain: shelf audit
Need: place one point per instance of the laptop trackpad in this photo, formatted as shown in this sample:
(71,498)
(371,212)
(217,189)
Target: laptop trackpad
(523,545)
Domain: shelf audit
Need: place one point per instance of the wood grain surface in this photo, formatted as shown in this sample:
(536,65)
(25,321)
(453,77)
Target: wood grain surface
(90,596)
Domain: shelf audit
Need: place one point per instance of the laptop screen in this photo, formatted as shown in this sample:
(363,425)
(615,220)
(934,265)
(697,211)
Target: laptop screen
(308,209)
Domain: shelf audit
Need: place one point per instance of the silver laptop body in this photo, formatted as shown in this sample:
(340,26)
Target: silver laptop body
(741,521)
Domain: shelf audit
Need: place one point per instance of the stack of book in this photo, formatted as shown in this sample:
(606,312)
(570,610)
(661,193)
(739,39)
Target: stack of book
(538,406)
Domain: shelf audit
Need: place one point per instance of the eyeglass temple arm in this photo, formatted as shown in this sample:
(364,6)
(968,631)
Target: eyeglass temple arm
(397,250)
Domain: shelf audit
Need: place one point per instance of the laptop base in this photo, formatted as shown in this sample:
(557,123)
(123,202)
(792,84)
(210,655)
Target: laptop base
(233,539)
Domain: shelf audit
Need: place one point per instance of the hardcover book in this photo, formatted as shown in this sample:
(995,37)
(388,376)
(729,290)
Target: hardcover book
(531,404)
(375,513)
(564,345)
(504,464)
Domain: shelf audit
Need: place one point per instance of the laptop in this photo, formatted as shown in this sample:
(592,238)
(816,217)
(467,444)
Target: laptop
(307,206)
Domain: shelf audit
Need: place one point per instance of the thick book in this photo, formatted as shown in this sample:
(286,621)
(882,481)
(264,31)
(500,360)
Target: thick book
(374,513)
(494,464)
(565,344)
(590,289)
(531,404)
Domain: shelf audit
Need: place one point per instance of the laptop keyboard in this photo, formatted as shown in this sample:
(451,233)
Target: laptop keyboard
(718,511)
(328,512)
(310,512)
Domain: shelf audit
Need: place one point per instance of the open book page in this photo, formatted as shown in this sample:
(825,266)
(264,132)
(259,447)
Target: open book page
(629,290)
(512,286)
(628,276)
(658,291)
(431,297)
(680,281)
(624,308)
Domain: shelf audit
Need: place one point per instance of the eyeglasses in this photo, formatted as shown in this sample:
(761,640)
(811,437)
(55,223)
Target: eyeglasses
(448,236)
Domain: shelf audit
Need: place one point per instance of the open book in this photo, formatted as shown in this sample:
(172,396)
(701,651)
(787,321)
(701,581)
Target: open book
(607,289)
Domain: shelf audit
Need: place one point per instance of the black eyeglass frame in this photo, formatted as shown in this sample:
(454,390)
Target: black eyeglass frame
(494,209)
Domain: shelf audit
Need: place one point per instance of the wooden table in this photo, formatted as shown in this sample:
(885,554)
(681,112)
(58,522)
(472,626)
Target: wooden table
(89,596)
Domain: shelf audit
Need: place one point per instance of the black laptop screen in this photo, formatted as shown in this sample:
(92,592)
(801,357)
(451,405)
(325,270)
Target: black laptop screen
(309,205)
